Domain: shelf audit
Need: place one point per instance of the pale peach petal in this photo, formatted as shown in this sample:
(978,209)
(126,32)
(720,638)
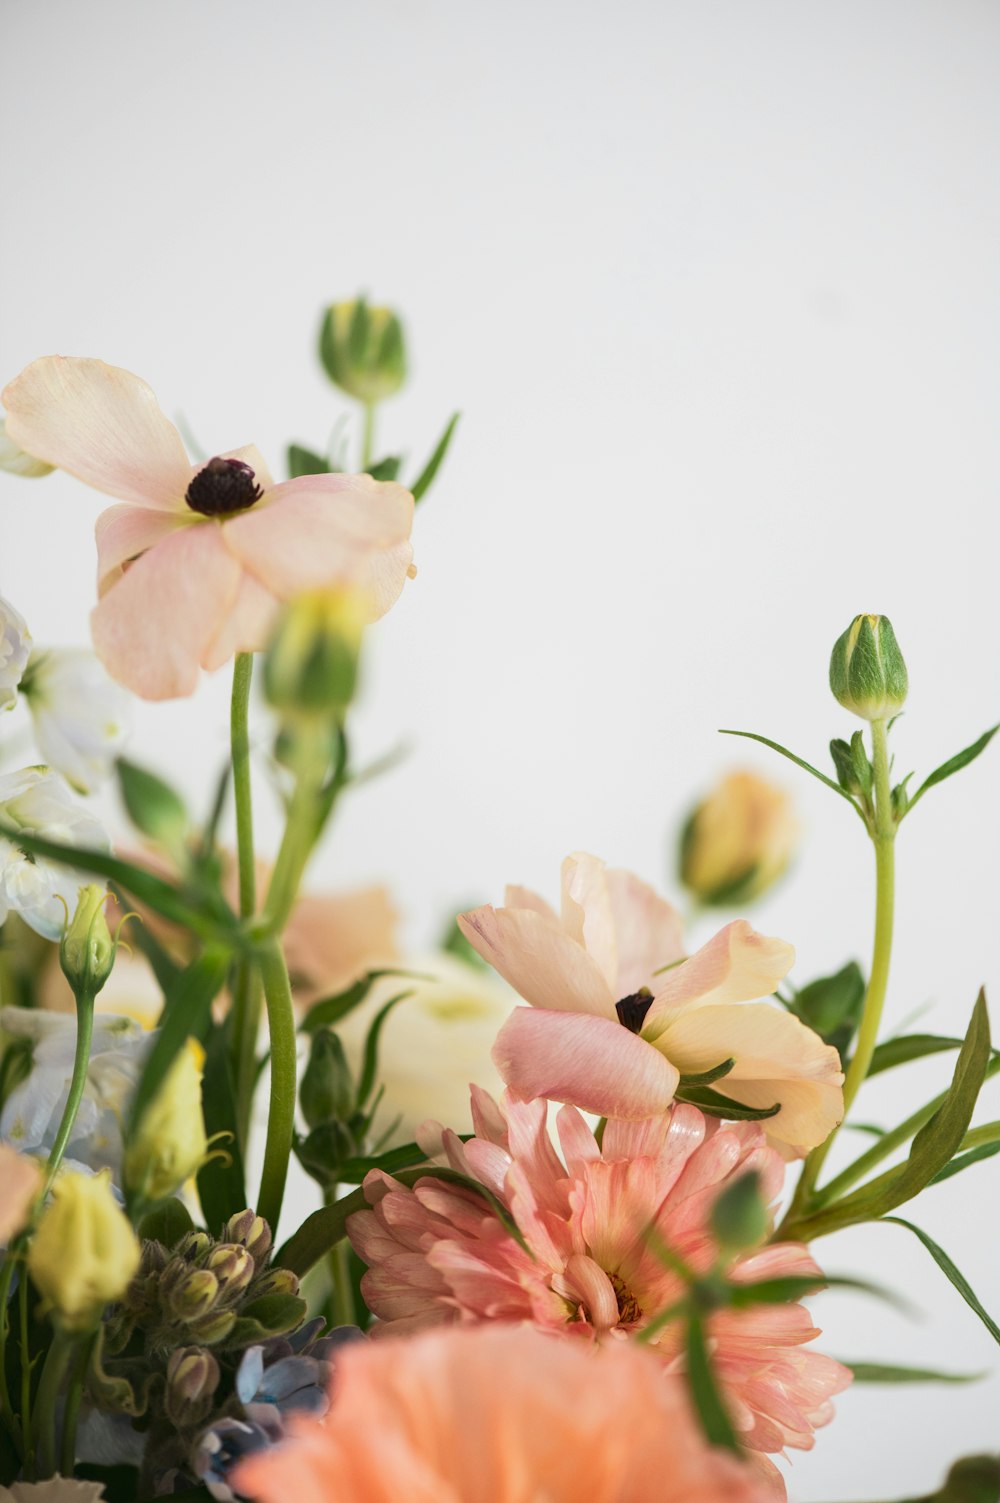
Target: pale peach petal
(539,959)
(321,529)
(247,625)
(777,1058)
(524,897)
(101,424)
(125,532)
(333,938)
(737,965)
(649,931)
(385,574)
(593,1063)
(20,1183)
(153,626)
(587,915)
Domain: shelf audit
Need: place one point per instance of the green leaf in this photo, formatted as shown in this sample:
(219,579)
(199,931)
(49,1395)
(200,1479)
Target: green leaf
(369,1064)
(954,764)
(187,1013)
(329,1012)
(302,461)
(708,1402)
(386,469)
(883,1372)
(167,1223)
(221,1181)
(353,1171)
(831,1006)
(799,762)
(800,1286)
(948,1268)
(454,942)
(713,1104)
(707,1077)
(155,809)
(965,1161)
(428,474)
(900,1051)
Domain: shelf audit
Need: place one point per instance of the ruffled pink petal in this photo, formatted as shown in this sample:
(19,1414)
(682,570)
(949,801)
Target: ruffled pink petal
(247,625)
(737,965)
(101,424)
(154,625)
(649,931)
(589,1062)
(324,529)
(126,532)
(538,959)
(587,916)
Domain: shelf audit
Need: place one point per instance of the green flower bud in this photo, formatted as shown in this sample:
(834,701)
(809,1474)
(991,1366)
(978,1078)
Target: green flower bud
(192,1295)
(363,350)
(86,950)
(324,1151)
(739,1217)
(327,1091)
(233,1267)
(311,666)
(250,1231)
(867,672)
(193,1246)
(192,1378)
(212,1328)
(276,1281)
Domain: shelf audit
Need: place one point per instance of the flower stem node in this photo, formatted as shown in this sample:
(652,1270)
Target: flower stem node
(84,1251)
(363,350)
(311,668)
(168,1143)
(867,672)
(87,951)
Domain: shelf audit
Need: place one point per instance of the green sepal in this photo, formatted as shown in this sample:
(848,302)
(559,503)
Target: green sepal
(714,1104)
(708,1077)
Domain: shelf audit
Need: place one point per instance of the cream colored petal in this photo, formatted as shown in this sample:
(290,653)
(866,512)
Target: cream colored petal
(524,897)
(101,424)
(737,965)
(648,930)
(538,959)
(587,914)
(154,625)
(246,627)
(249,454)
(125,532)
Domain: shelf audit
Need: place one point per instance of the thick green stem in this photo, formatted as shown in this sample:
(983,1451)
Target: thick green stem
(245,1024)
(71,1414)
(368,438)
(281,1112)
(305,817)
(6,1277)
(81,1059)
(883,835)
(53,1373)
(28,1447)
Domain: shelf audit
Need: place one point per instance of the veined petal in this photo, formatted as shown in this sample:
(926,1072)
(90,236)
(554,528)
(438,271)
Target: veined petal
(539,959)
(649,931)
(737,965)
(154,625)
(592,1063)
(586,913)
(125,532)
(246,627)
(101,424)
(524,897)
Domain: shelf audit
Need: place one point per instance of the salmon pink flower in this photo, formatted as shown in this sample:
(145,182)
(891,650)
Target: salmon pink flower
(194,563)
(621,1012)
(499,1416)
(584,1262)
(20,1184)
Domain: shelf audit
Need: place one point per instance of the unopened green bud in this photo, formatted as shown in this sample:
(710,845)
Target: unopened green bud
(323,1153)
(739,1217)
(212,1328)
(276,1281)
(234,1268)
(192,1378)
(867,672)
(87,951)
(193,1246)
(192,1295)
(363,350)
(250,1231)
(311,666)
(327,1091)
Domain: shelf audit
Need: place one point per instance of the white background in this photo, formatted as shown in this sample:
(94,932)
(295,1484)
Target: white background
(716,289)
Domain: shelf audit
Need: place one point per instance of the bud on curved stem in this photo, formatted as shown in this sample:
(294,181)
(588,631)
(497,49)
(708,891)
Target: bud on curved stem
(867,672)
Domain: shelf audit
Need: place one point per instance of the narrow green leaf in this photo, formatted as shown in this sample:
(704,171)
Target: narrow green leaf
(955,764)
(187,1013)
(428,474)
(950,1272)
(883,1372)
(329,1012)
(899,1051)
(708,1402)
(369,1064)
(386,469)
(302,461)
(714,1104)
(799,762)
(138,934)
(152,805)
(965,1161)
(708,1076)
(221,1182)
(353,1171)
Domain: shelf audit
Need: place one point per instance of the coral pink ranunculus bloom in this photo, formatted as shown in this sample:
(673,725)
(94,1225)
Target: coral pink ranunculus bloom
(194,563)
(499,1416)
(586,1264)
(20,1183)
(620,1012)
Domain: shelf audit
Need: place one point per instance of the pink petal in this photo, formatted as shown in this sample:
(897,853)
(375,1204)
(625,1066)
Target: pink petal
(539,959)
(153,626)
(125,532)
(737,965)
(648,929)
(247,625)
(324,529)
(523,897)
(20,1183)
(101,424)
(587,916)
(589,1062)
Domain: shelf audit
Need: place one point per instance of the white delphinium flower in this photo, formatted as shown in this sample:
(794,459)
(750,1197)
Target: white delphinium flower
(81,715)
(33,1110)
(17,461)
(43,892)
(15,649)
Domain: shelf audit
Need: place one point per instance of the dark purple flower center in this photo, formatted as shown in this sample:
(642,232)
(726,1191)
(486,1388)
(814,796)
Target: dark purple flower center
(222,487)
(632,1010)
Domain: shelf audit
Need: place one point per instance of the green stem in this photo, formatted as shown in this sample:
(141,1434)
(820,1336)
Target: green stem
(246,1010)
(71,1415)
(28,1445)
(305,816)
(81,1059)
(281,1112)
(342,1294)
(53,1373)
(6,1276)
(883,835)
(368,437)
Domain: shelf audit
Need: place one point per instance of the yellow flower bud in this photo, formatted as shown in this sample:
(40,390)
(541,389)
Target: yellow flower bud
(867,672)
(169,1144)
(84,1251)
(362,350)
(87,951)
(738,841)
(312,663)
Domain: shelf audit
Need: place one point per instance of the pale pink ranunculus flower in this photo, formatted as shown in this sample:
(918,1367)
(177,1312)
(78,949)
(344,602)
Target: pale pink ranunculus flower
(619,1011)
(587,1264)
(193,565)
(20,1183)
(499,1415)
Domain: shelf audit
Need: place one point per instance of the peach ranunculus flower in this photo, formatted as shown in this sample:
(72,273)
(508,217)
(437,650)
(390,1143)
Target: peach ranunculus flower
(194,563)
(499,1416)
(20,1183)
(438,1253)
(619,1011)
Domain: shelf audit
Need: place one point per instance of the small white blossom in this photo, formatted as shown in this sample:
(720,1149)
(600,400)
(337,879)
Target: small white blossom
(43,892)
(15,647)
(17,461)
(81,715)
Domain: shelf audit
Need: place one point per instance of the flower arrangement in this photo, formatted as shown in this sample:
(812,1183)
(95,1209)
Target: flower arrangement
(586,1267)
